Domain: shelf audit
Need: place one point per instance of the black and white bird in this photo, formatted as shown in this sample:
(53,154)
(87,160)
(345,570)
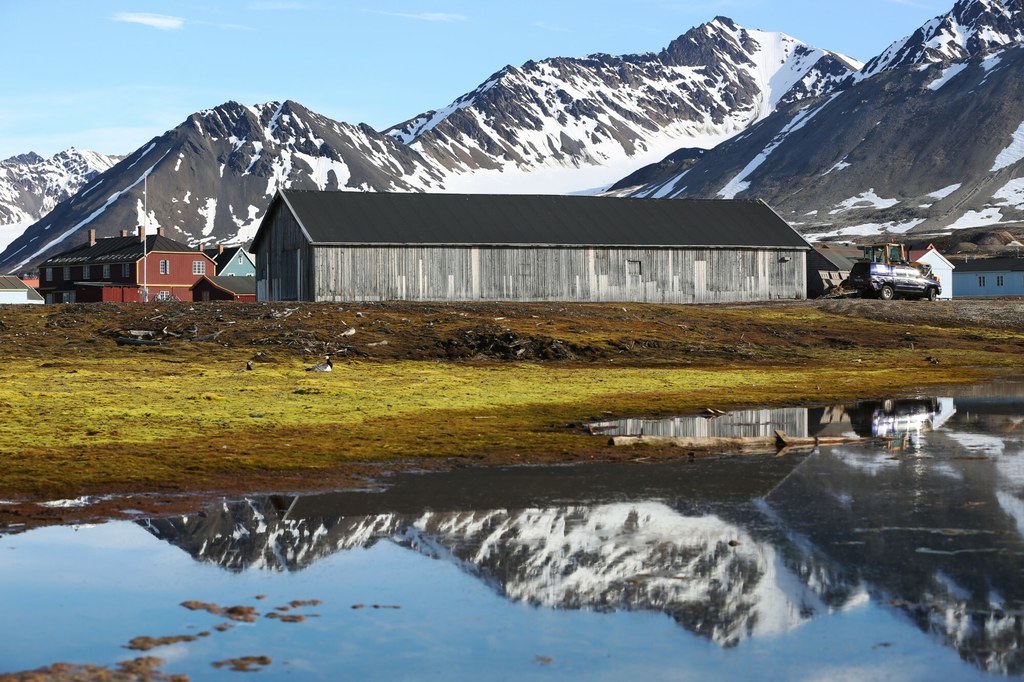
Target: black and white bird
(324,366)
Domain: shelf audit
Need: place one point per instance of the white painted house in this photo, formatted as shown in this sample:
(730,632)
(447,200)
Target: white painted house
(13,290)
(942,268)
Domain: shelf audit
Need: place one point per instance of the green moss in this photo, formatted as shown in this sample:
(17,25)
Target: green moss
(181,417)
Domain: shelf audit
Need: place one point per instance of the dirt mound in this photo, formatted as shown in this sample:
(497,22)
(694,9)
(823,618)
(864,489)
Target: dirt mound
(995,238)
(498,343)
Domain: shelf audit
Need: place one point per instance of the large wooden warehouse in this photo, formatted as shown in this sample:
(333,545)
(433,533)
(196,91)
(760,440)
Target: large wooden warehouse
(361,246)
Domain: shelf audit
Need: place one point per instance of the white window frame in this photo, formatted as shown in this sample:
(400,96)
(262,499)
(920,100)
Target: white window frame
(165,267)
(198,267)
(126,269)
(67,273)
(86,271)
(106,271)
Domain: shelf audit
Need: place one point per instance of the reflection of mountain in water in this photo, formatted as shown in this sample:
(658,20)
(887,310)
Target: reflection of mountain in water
(708,574)
(729,548)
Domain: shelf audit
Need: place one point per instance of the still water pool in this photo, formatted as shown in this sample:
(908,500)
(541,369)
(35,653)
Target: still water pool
(848,562)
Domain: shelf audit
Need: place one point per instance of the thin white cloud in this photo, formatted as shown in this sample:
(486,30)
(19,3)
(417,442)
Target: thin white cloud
(160,21)
(912,3)
(551,28)
(270,6)
(424,16)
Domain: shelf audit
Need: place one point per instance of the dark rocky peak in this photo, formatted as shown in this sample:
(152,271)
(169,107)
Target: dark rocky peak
(707,43)
(25,159)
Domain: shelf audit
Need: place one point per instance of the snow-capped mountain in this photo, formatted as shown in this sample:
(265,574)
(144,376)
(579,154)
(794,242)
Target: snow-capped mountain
(210,179)
(560,125)
(538,126)
(30,186)
(972,28)
(928,137)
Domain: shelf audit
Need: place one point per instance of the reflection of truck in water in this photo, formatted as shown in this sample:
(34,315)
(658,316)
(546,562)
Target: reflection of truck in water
(886,273)
(887,418)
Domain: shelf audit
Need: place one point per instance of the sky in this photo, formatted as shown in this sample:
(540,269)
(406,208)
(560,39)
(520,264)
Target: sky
(109,75)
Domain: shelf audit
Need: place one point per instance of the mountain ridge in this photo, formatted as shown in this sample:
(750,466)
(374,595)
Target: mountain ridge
(921,138)
(920,142)
(31,186)
(555,126)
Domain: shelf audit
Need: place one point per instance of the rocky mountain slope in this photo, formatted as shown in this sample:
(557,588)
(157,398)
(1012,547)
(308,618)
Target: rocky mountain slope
(927,137)
(553,126)
(210,179)
(923,139)
(30,186)
(610,112)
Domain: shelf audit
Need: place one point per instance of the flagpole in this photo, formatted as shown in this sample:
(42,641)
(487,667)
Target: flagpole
(145,225)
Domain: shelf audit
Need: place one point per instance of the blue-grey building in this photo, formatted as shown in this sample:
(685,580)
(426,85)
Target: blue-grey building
(232,261)
(988,277)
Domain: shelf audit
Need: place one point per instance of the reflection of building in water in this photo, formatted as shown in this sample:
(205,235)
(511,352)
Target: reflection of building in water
(738,423)
(907,418)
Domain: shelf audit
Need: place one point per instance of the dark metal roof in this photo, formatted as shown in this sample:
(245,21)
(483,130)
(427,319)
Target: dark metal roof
(550,220)
(236,285)
(841,259)
(989,264)
(10,282)
(115,250)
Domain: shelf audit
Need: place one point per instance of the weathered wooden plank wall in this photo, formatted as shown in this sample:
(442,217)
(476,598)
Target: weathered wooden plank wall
(283,263)
(656,275)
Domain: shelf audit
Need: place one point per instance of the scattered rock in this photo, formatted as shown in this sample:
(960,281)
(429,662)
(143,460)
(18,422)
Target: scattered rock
(147,643)
(243,614)
(245,664)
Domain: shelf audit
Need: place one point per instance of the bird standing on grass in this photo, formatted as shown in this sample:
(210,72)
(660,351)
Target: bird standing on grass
(325,366)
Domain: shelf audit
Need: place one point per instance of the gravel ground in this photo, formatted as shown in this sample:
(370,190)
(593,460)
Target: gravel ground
(1002,313)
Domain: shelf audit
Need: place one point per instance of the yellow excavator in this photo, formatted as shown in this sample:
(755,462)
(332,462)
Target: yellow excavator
(890,253)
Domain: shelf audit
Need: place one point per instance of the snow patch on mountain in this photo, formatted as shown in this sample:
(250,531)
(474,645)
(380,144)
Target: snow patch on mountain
(946,191)
(866,199)
(982,218)
(739,183)
(1012,194)
(209,212)
(247,226)
(1013,153)
(947,75)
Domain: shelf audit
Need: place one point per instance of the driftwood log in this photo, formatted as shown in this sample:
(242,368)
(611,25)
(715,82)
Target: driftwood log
(130,341)
(780,442)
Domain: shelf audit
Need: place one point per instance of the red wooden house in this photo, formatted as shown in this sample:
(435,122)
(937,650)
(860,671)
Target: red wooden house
(119,268)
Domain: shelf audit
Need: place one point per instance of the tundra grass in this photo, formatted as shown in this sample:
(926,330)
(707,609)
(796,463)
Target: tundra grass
(152,422)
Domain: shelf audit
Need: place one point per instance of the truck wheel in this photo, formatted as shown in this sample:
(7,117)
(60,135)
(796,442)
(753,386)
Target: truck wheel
(932,294)
(886,292)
